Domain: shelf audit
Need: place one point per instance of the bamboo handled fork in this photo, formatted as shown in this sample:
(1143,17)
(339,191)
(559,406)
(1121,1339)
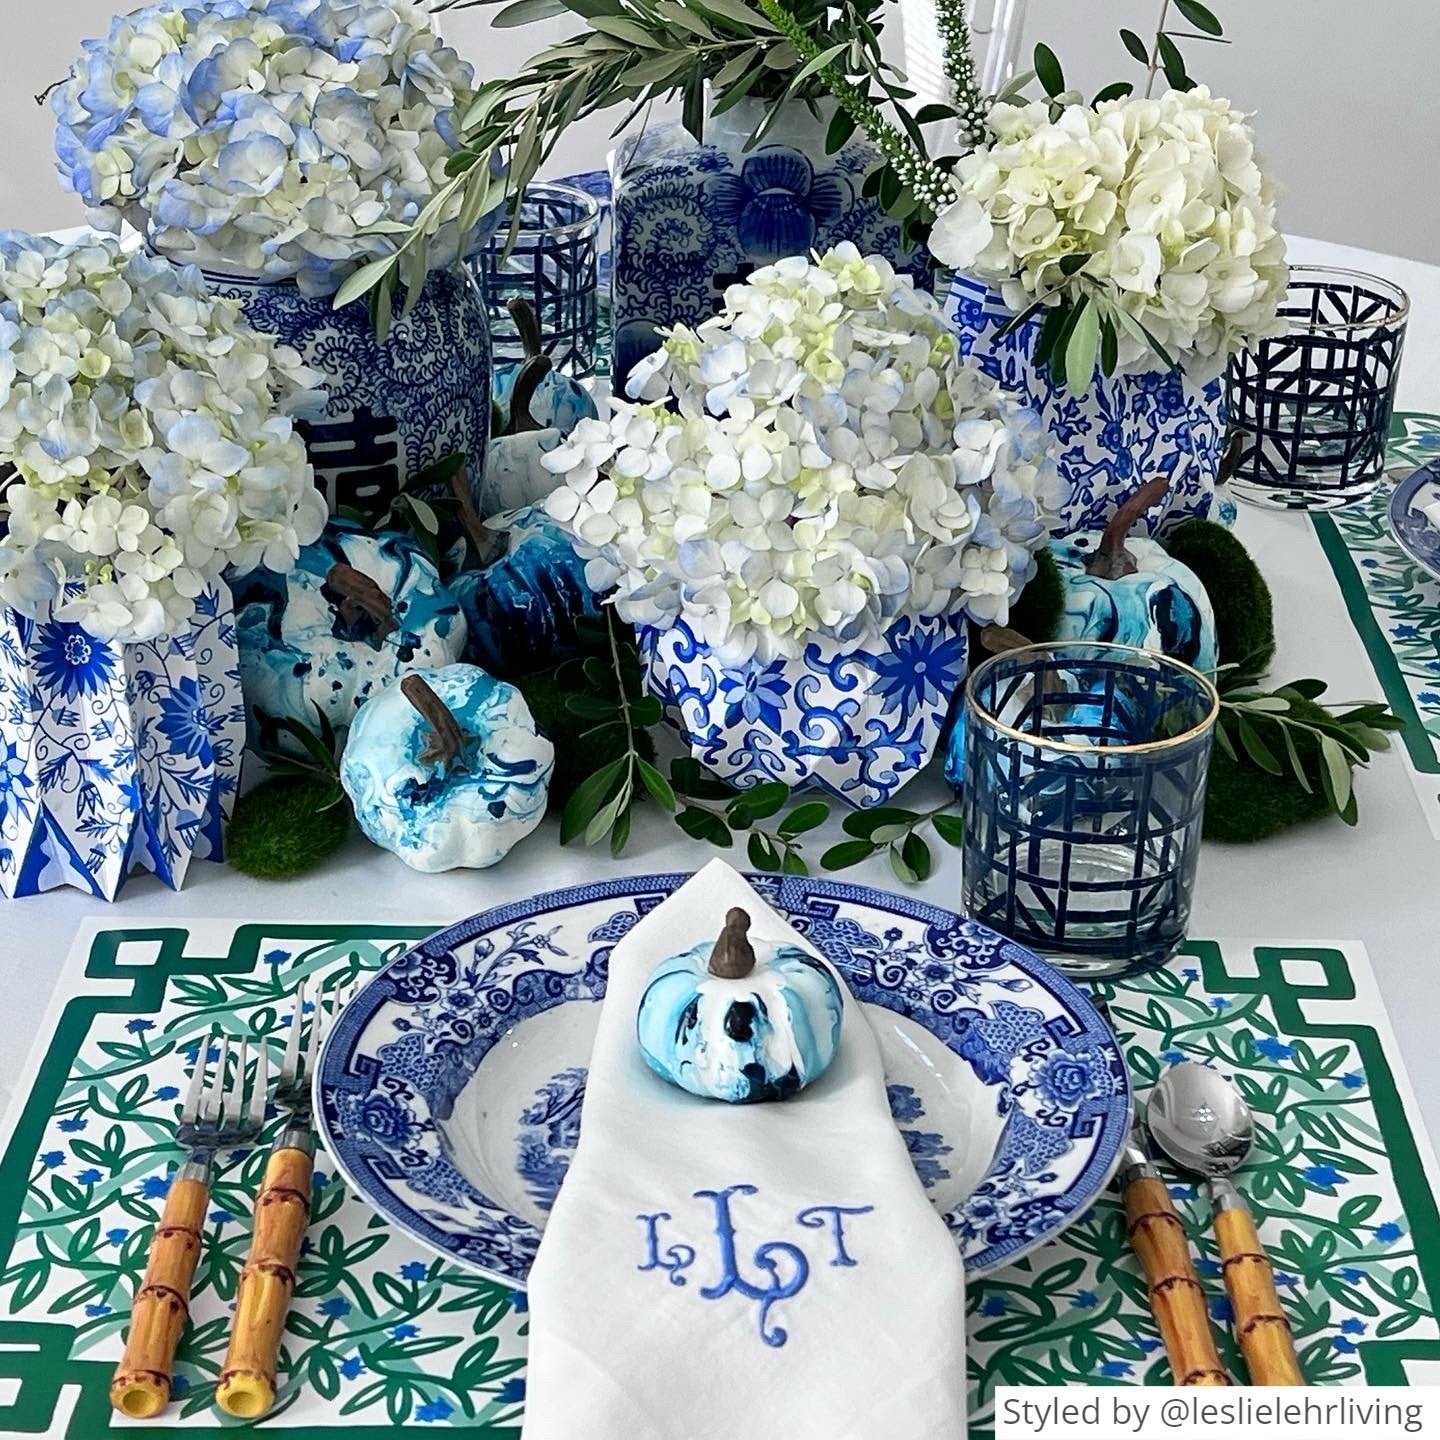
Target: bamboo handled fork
(213,1116)
(282,1215)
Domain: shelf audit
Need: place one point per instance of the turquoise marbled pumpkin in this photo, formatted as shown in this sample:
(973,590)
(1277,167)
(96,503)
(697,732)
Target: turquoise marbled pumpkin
(1162,606)
(303,646)
(440,809)
(521,609)
(760,1036)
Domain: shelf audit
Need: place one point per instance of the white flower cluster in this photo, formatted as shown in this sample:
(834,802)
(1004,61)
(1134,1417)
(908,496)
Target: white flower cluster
(1165,197)
(146,425)
(264,137)
(815,460)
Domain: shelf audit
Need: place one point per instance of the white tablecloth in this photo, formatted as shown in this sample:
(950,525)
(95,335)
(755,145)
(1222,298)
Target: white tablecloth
(1376,884)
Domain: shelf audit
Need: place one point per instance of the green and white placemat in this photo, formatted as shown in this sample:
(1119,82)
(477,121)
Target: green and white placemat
(1395,606)
(384,1336)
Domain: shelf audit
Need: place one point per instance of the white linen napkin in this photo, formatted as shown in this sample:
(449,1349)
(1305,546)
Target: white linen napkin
(772,1271)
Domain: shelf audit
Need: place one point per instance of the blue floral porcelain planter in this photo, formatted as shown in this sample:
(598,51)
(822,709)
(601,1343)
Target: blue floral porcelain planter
(1125,430)
(390,410)
(116,758)
(692,219)
(858,724)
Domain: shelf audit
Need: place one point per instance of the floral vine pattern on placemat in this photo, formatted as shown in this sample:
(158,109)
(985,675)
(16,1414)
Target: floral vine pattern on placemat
(383,1336)
(1395,606)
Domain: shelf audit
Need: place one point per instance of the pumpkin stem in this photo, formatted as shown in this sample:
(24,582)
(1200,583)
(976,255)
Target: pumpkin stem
(733,957)
(527,382)
(359,595)
(1111,560)
(1230,459)
(448,741)
(997,639)
(522,314)
(486,543)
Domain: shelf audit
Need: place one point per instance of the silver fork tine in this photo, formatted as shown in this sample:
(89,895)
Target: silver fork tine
(190,1110)
(291,1059)
(212,1106)
(258,1094)
(235,1094)
(312,1043)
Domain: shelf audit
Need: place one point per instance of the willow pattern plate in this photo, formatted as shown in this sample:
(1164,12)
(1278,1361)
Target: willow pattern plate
(1414,531)
(449,1090)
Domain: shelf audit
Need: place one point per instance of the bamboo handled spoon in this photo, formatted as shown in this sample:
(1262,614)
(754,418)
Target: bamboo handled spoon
(1200,1121)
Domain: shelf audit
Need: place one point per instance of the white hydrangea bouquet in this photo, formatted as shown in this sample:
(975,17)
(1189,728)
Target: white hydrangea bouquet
(271,138)
(1141,229)
(810,499)
(148,429)
(814,461)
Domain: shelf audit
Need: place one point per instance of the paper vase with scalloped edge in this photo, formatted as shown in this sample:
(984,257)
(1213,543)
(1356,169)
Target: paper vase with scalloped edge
(116,757)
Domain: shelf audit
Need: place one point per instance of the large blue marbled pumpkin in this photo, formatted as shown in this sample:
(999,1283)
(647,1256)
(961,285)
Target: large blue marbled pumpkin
(762,1036)
(521,609)
(303,648)
(1162,606)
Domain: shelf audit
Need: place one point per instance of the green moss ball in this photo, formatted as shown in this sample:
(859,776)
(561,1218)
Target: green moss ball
(279,829)
(1244,803)
(1037,612)
(1244,614)
(576,756)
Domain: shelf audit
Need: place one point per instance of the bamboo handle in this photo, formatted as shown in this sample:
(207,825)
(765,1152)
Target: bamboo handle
(1178,1302)
(1260,1323)
(282,1213)
(141,1385)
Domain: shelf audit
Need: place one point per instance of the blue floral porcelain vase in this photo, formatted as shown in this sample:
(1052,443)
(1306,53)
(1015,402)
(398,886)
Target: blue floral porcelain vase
(116,758)
(393,409)
(1125,430)
(691,219)
(858,723)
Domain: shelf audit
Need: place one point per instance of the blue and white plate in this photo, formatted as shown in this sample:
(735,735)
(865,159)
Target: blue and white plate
(449,1090)
(1416,534)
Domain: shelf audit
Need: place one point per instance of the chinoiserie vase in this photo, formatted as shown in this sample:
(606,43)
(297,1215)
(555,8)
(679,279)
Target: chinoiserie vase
(692,219)
(392,409)
(857,723)
(1125,430)
(116,758)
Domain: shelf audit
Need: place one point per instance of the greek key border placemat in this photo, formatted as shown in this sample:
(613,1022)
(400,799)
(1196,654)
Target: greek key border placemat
(1395,606)
(383,1335)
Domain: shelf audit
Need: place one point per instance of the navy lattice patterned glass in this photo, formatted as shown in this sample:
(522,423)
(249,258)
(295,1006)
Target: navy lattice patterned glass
(1312,407)
(552,265)
(1085,769)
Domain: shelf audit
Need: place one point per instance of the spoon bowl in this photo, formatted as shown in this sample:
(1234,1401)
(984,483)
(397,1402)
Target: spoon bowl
(1198,1118)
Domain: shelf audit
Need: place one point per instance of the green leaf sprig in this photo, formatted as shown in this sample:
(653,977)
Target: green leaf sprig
(320,758)
(896,832)
(1270,728)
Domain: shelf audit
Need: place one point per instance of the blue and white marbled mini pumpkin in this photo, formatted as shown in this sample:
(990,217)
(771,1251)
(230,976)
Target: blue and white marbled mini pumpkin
(513,474)
(454,794)
(303,644)
(726,1029)
(1162,606)
(521,609)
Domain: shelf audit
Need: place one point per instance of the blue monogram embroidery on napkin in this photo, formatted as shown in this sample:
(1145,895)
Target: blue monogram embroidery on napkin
(785,1265)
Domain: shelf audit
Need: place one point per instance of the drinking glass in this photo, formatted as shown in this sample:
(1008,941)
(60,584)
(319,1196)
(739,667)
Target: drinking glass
(1085,769)
(1312,407)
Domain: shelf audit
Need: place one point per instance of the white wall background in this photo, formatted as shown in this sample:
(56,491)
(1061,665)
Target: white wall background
(1347,107)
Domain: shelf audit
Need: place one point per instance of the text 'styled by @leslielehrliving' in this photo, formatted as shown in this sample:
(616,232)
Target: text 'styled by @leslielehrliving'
(1352,1412)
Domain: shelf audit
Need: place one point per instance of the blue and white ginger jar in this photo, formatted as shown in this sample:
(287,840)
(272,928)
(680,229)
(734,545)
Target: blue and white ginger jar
(857,723)
(304,649)
(391,410)
(1125,430)
(116,758)
(446,815)
(692,219)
